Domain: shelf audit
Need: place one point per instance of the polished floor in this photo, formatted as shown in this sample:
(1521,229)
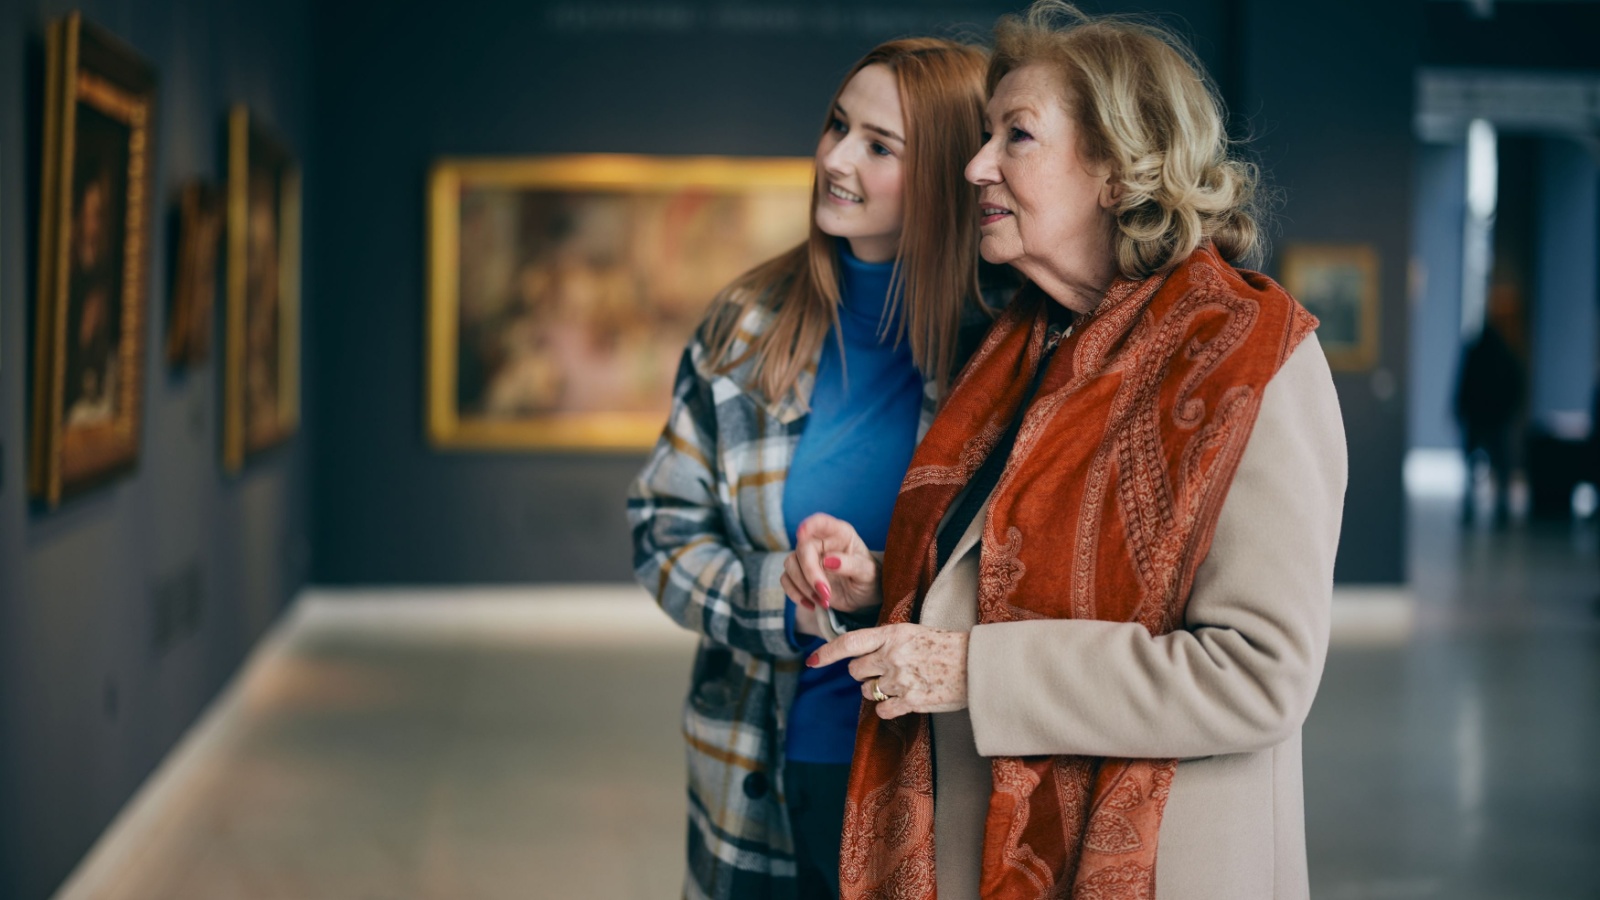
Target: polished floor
(1464,763)
(476,745)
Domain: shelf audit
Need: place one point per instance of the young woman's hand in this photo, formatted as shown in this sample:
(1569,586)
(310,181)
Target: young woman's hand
(831,567)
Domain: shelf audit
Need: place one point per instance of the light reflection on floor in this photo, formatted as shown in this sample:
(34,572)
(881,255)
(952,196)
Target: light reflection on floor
(400,745)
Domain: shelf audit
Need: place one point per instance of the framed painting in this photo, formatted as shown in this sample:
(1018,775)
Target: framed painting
(93,250)
(261,384)
(1338,283)
(563,289)
(194,280)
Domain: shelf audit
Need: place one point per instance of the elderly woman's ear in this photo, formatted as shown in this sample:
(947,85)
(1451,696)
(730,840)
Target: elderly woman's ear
(1111,192)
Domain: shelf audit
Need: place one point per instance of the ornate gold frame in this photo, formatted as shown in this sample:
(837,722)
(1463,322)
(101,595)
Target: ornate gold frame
(249,144)
(1299,259)
(446,429)
(85,64)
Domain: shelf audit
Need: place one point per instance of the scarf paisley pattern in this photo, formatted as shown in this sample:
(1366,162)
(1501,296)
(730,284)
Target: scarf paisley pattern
(1104,511)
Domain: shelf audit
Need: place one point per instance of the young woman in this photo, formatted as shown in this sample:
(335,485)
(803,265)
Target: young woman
(804,392)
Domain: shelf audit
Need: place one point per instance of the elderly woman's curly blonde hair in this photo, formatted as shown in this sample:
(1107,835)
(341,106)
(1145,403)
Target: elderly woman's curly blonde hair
(1142,103)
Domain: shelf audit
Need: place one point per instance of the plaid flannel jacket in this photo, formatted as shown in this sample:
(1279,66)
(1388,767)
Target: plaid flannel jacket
(709,542)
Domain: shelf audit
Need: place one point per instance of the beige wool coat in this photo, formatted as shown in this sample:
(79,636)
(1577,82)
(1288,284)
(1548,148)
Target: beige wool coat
(1226,694)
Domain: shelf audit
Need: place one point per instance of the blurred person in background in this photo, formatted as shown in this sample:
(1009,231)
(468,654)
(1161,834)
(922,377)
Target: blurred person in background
(805,390)
(1108,582)
(1489,399)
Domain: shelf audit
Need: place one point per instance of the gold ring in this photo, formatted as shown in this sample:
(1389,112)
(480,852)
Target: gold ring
(877,692)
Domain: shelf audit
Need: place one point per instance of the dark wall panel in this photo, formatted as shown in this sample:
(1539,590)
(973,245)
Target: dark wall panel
(96,681)
(1437,235)
(1527,34)
(1329,92)
(1566,279)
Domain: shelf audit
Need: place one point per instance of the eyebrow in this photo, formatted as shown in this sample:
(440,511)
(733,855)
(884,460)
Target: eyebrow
(1009,114)
(877,128)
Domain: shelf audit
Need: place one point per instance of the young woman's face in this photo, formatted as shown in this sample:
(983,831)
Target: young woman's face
(861,166)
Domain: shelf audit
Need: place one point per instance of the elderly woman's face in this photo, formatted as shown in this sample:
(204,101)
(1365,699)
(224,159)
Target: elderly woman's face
(1042,206)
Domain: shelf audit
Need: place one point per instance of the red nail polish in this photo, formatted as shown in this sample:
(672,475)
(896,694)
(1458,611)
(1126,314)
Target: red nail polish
(811,660)
(824,592)
(831,562)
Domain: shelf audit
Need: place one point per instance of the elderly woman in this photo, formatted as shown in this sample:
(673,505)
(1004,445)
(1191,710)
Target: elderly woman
(1107,580)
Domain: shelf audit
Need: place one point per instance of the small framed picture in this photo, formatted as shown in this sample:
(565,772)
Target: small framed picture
(563,289)
(261,390)
(1338,283)
(94,245)
(194,282)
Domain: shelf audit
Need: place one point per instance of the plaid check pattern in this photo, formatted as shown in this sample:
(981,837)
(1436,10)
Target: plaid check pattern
(709,543)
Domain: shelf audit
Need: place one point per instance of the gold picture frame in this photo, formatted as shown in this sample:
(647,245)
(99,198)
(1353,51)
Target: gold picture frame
(562,289)
(1338,283)
(94,244)
(261,393)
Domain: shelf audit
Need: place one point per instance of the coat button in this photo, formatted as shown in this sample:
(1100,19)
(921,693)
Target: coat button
(755,785)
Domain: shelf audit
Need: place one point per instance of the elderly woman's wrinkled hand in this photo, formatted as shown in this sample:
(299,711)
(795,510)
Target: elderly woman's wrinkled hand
(919,669)
(831,567)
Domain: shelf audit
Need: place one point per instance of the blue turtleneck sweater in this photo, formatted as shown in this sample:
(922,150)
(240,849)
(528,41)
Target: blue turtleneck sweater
(849,463)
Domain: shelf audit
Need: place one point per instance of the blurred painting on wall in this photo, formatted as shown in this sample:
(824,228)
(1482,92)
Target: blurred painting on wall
(194,280)
(1338,283)
(261,405)
(93,250)
(562,290)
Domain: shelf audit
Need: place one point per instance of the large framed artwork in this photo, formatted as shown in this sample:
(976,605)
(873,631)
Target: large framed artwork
(563,289)
(93,249)
(1338,283)
(194,281)
(261,384)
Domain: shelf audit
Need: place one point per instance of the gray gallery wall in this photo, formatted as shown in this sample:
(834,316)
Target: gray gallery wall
(1437,235)
(504,79)
(1328,95)
(1566,315)
(1330,100)
(525,79)
(123,612)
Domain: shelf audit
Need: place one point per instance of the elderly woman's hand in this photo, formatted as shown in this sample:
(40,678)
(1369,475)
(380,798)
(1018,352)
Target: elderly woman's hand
(920,669)
(831,567)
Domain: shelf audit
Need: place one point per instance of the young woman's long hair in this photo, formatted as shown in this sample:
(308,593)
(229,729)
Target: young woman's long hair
(936,269)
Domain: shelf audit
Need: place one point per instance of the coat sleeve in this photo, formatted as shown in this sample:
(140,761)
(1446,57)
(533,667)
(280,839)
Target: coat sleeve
(682,550)
(1241,675)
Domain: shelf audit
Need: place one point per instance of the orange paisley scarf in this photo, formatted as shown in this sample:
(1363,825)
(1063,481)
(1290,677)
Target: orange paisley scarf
(1104,511)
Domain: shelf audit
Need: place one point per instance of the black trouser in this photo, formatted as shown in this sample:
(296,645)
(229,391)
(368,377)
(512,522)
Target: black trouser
(816,817)
(1496,444)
